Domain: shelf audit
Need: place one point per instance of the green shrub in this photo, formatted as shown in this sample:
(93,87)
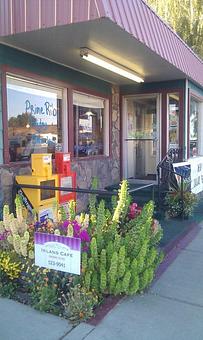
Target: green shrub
(124,256)
(45,299)
(7,289)
(79,304)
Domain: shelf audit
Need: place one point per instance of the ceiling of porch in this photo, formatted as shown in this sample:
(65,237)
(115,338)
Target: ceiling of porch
(62,45)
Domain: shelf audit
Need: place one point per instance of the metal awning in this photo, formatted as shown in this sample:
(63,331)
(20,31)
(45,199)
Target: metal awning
(126,31)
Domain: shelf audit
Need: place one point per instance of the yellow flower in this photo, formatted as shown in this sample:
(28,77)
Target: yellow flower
(11,268)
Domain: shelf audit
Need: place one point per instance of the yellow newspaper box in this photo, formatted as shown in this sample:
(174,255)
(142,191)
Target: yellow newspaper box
(41,164)
(39,197)
(41,200)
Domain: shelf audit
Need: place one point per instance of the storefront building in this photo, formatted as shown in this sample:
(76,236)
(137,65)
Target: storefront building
(53,98)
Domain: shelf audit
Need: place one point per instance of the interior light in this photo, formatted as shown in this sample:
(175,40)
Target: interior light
(109,65)
(89,113)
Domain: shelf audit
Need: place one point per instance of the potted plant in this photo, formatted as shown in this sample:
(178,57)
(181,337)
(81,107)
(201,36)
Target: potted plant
(180,204)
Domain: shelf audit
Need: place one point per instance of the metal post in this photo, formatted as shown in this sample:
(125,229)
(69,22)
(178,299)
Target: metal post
(14,190)
(153,192)
(158,174)
(182,199)
(14,193)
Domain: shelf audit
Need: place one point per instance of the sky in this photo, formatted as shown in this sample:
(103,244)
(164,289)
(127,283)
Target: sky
(40,103)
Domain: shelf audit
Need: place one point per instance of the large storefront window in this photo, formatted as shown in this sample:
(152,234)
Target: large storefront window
(194,122)
(1,126)
(173,120)
(90,126)
(34,118)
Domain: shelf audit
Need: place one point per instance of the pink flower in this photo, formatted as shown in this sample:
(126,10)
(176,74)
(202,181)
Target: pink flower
(134,211)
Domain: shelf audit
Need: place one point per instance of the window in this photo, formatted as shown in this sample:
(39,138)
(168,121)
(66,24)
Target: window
(34,118)
(173,120)
(1,124)
(91,121)
(195,127)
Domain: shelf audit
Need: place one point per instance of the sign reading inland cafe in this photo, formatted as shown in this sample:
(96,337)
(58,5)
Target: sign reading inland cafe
(58,252)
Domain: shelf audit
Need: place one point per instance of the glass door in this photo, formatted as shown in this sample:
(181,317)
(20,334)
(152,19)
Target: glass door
(141,137)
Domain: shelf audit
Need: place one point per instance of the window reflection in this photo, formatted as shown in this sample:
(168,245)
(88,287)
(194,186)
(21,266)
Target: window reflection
(173,114)
(88,125)
(194,106)
(34,118)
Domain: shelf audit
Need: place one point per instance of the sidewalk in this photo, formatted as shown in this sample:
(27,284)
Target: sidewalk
(171,309)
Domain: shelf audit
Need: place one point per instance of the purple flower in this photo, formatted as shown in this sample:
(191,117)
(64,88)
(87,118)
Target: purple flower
(2,237)
(37,225)
(85,248)
(84,236)
(65,224)
(76,229)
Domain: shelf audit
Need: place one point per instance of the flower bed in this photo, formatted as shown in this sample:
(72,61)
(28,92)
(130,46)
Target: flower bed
(120,255)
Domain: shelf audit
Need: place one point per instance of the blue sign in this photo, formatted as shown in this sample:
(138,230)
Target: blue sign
(48,109)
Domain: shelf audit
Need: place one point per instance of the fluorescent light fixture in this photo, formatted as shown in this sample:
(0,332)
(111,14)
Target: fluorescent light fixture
(109,65)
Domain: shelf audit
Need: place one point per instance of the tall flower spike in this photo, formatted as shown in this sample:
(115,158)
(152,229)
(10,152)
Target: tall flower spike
(70,230)
(82,216)
(55,210)
(86,221)
(72,208)
(19,209)
(6,215)
(122,194)
(63,213)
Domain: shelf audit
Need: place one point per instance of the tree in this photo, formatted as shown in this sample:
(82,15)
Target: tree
(22,120)
(185,17)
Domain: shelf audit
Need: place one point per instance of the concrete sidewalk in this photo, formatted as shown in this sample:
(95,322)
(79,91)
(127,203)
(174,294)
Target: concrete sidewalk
(171,309)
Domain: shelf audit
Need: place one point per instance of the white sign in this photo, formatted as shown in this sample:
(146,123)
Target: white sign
(86,124)
(66,157)
(196,172)
(45,213)
(66,182)
(58,252)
